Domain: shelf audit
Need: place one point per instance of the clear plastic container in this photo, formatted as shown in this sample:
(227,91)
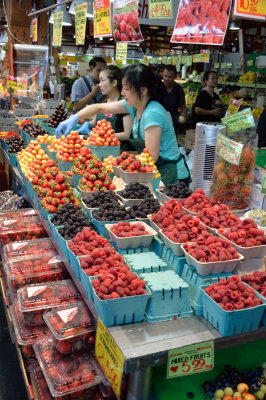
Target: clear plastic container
(66,374)
(73,328)
(34,300)
(17,214)
(21,231)
(19,249)
(36,268)
(18,222)
(26,337)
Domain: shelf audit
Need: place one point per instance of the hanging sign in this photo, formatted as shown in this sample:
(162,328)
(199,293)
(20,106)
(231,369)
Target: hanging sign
(190,359)
(189,61)
(34,29)
(11,84)
(57,28)
(228,149)
(22,87)
(109,356)
(205,56)
(176,62)
(126,22)
(233,107)
(121,51)
(198,24)
(160,9)
(102,18)
(241,120)
(255,9)
(216,65)
(80,22)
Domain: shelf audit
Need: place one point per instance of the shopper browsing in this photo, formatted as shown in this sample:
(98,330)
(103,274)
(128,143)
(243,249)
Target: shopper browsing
(86,90)
(152,126)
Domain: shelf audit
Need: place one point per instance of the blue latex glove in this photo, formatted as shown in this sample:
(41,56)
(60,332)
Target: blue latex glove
(66,126)
(85,128)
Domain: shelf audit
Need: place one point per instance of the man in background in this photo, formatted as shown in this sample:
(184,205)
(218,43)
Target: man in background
(86,90)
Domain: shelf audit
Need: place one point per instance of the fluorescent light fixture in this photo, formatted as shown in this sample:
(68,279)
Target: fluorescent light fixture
(5,37)
(72,9)
(234,26)
(66,16)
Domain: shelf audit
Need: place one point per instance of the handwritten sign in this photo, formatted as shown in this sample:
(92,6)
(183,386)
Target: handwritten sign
(121,51)
(57,28)
(205,56)
(250,63)
(34,27)
(109,356)
(241,120)
(11,84)
(176,61)
(160,9)
(80,22)
(216,65)
(102,18)
(190,359)
(22,86)
(251,8)
(228,149)
(263,186)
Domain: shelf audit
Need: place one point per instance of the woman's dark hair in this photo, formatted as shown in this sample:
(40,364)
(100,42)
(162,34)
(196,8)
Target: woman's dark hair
(140,75)
(207,75)
(113,73)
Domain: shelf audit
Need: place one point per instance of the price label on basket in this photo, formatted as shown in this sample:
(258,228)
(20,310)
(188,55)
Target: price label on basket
(228,149)
(241,120)
(190,359)
(110,357)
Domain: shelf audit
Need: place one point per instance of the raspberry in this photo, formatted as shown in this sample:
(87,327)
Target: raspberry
(221,292)
(225,300)
(222,256)
(221,305)
(216,297)
(235,295)
(239,305)
(213,258)
(232,286)
(257,302)
(249,302)
(229,307)
(228,292)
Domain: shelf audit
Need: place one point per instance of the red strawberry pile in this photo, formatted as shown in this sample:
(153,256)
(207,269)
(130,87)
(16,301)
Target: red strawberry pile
(125,229)
(245,234)
(86,241)
(218,216)
(197,201)
(126,26)
(85,160)
(232,294)
(169,213)
(69,149)
(116,284)
(102,260)
(257,280)
(187,229)
(95,178)
(124,156)
(103,135)
(210,248)
(133,164)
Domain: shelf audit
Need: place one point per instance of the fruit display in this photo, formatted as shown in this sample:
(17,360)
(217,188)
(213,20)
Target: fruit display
(135,190)
(126,26)
(100,199)
(146,158)
(23,229)
(125,229)
(177,190)
(245,234)
(86,241)
(34,300)
(113,212)
(257,280)
(145,207)
(130,163)
(185,229)
(45,138)
(16,144)
(210,248)
(17,214)
(232,294)
(103,135)
(218,216)
(73,328)
(37,116)
(64,373)
(256,112)
(29,154)
(85,162)
(69,148)
(107,164)
(168,213)
(38,268)
(196,201)
(95,180)
(249,77)
(27,336)
(34,130)
(54,146)
(231,182)
(19,249)
(58,116)
(93,265)
(6,135)
(190,98)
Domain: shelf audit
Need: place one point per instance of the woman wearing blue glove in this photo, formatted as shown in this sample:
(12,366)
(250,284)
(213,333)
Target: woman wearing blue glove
(152,126)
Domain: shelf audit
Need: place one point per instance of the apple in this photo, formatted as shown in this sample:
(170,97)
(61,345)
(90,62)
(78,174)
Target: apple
(237,398)
(248,396)
(242,387)
(218,394)
(227,397)
(229,391)
(259,395)
(237,394)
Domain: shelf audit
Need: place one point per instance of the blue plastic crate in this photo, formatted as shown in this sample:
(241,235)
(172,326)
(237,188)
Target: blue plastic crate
(195,281)
(150,263)
(175,262)
(125,310)
(231,322)
(169,296)
(65,165)
(76,180)
(104,151)
(52,226)
(86,283)
(12,159)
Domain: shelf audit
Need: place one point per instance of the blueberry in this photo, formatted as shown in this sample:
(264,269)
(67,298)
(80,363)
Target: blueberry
(190,395)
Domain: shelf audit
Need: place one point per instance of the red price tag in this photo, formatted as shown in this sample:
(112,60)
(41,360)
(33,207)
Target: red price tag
(161,10)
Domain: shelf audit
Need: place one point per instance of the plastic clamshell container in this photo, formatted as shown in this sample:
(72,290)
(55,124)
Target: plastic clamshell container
(175,247)
(129,202)
(17,223)
(248,252)
(17,214)
(216,267)
(34,268)
(39,386)
(132,241)
(18,249)
(125,310)
(26,336)
(163,198)
(150,263)
(116,171)
(60,370)
(34,300)
(130,177)
(231,322)
(15,235)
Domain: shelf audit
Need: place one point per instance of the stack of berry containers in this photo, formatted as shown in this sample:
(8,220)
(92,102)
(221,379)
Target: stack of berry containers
(73,328)
(17,214)
(19,249)
(34,300)
(17,229)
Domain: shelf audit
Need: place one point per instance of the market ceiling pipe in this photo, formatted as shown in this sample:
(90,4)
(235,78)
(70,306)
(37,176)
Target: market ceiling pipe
(33,13)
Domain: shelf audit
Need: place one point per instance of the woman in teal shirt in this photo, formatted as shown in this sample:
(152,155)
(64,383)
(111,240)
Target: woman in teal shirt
(152,125)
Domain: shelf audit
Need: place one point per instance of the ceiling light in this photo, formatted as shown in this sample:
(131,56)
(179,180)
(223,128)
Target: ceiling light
(234,26)
(154,27)
(66,17)
(72,9)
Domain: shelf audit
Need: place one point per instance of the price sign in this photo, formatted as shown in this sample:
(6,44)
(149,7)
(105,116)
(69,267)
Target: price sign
(228,149)
(223,65)
(160,9)
(263,186)
(12,84)
(241,120)
(251,8)
(176,62)
(80,22)
(22,86)
(250,63)
(216,65)
(109,356)
(205,56)
(121,51)
(189,61)
(102,18)
(190,359)
(57,28)
(34,27)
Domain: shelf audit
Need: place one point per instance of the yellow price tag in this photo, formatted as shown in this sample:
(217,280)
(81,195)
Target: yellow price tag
(102,18)
(121,51)
(35,30)
(11,84)
(228,149)
(80,22)
(22,86)
(57,28)
(110,357)
(163,9)
(205,56)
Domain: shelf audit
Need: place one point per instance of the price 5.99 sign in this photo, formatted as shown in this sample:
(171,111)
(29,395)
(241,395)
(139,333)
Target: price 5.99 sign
(190,359)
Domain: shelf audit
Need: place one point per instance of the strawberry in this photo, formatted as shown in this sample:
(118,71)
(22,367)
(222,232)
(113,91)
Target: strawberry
(124,38)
